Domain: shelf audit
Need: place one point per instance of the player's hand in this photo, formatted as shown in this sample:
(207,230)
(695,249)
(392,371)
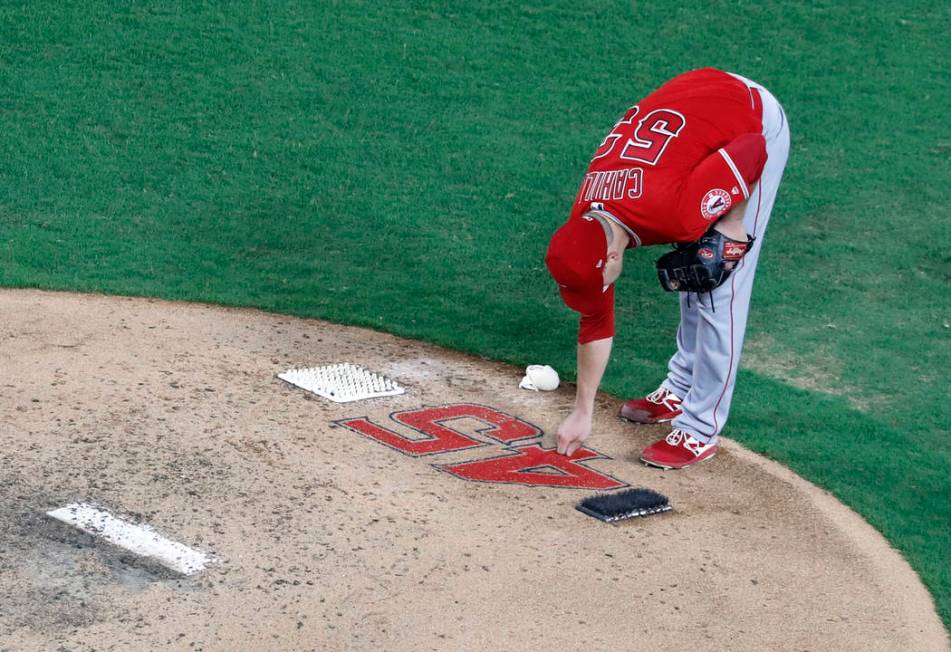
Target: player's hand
(573,432)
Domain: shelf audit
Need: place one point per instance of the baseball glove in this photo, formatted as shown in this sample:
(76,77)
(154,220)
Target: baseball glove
(703,265)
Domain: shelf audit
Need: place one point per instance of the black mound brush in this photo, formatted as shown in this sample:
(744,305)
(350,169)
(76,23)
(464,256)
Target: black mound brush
(624,504)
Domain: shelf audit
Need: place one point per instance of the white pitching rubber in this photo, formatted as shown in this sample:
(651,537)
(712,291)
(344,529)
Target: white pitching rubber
(138,539)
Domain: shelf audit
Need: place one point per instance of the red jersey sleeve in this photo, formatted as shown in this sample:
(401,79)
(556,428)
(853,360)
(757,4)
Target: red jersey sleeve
(600,325)
(721,181)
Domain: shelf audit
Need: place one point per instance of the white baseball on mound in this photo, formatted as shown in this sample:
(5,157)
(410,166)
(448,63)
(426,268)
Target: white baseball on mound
(539,377)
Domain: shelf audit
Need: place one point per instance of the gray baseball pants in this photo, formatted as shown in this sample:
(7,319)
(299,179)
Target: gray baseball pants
(710,338)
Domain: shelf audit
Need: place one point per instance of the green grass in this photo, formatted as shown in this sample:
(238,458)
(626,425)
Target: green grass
(402,164)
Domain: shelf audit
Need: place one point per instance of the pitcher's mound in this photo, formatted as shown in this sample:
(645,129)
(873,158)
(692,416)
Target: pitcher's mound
(438,519)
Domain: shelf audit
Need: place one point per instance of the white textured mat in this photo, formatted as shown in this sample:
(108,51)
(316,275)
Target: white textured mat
(139,539)
(342,382)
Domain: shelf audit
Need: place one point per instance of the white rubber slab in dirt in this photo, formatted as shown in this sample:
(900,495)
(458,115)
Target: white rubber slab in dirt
(398,523)
(137,538)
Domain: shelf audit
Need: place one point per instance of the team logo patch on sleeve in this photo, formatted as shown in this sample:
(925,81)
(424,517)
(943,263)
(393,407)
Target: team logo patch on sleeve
(715,203)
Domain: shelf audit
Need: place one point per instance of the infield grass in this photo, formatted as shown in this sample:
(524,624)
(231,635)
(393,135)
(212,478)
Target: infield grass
(401,165)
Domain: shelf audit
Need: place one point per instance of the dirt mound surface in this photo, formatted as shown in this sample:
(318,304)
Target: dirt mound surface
(434,520)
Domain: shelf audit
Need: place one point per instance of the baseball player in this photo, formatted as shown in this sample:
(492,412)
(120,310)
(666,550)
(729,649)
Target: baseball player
(697,164)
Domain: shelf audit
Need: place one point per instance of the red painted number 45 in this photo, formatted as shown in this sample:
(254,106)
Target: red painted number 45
(432,433)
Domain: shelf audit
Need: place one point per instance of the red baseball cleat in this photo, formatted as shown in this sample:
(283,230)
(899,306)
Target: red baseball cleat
(659,406)
(677,450)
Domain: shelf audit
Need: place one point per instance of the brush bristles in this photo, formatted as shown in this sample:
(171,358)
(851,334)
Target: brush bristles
(624,504)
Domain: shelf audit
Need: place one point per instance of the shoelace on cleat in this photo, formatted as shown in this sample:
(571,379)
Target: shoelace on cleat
(695,446)
(663,396)
(675,437)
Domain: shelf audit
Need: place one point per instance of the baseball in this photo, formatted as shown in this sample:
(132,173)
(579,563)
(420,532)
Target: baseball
(540,377)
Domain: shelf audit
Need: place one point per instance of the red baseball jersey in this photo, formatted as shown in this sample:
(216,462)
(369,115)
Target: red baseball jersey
(677,161)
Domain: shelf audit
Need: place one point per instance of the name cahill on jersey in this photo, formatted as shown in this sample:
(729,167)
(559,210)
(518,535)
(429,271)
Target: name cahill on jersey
(606,185)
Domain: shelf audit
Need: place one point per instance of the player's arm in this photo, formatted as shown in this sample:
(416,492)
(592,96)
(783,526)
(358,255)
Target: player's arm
(718,188)
(592,361)
(595,336)
(731,224)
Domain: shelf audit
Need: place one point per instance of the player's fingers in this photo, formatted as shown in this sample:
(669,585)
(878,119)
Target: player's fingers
(572,447)
(562,443)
